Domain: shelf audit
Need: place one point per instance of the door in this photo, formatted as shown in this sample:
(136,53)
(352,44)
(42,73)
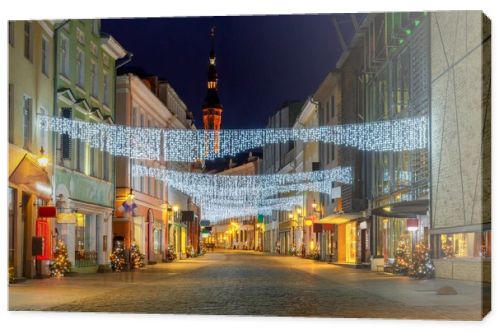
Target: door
(363,246)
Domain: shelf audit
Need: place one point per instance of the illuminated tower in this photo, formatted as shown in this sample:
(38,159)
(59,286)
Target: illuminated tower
(212,109)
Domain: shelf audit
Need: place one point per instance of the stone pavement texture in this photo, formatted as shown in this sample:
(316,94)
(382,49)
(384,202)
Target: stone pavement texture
(248,283)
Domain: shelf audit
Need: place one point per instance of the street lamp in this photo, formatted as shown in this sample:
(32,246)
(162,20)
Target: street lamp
(43,159)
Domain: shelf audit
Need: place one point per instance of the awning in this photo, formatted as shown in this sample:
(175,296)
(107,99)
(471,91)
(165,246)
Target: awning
(30,175)
(407,209)
(342,218)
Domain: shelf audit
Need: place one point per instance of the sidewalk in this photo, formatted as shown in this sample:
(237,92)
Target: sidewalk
(403,289)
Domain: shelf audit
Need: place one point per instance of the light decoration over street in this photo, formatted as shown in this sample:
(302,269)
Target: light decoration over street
(224,196)
(216,213)
(403,134)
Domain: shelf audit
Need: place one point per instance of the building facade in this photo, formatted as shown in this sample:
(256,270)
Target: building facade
(149,211)
(279,230)
(460,144)
(84,177)
(31,93)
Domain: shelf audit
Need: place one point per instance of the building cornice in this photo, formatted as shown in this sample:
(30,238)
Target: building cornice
(112,47)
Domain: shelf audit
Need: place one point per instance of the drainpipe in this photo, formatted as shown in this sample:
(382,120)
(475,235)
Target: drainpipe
(54,111)
(129,56)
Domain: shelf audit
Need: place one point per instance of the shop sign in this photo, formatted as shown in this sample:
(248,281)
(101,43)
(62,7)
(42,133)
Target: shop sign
(336,192)
(412,224)
(362,225)
(47,212)
(66,218)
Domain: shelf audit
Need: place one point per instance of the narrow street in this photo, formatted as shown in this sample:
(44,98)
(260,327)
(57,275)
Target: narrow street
(249,283)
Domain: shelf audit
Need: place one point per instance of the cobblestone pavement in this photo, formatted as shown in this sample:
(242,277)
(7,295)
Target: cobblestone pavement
(247,283)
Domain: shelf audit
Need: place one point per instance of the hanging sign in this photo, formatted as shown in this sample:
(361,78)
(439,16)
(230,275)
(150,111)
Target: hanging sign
(47,212)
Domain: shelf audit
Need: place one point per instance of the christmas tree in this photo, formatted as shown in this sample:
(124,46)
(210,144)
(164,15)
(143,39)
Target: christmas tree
(421,265)
(447,248)
(60,265)
(402,254)
(171,253)
(136,258)
(117,258)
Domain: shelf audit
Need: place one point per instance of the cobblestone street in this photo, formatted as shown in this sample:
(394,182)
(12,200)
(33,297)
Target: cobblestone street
(247,283)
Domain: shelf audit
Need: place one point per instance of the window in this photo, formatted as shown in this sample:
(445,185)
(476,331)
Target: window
(66,144)
(11,113)
(472,244)
(11,32)
(45,56)
(93,80)
(326,110)
(43,134)
(92,162)
(28,40)
(80,155)
(80,36)
(80,69)
(332,148)
(141,187)
(106,89)
(105,165)
(64,56)
(332,106)
(93,49)
(12,203)
(27,112)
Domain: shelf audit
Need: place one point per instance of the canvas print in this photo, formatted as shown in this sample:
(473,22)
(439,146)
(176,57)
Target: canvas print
(330,165)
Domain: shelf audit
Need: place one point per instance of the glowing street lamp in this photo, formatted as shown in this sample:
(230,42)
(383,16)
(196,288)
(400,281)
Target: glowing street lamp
(43,159)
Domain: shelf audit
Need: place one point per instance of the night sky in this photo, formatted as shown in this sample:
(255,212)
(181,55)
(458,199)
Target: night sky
(262,61)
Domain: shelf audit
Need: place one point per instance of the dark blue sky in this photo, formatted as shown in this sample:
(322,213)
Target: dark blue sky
(262,61)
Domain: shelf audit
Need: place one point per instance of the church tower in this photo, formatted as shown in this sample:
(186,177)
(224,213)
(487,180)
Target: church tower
(212,109)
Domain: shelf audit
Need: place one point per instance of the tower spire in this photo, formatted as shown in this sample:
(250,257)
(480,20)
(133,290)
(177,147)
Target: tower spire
(212,109)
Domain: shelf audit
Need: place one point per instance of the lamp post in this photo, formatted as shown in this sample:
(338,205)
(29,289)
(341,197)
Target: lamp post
(317,210)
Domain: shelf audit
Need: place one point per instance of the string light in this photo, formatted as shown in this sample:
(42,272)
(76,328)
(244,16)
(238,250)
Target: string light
(225,196)
(191,145)
(216,213)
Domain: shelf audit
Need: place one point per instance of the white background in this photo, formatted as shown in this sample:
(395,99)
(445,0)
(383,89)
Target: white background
(45,322)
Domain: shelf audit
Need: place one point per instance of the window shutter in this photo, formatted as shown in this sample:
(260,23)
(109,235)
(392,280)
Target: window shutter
(65,139)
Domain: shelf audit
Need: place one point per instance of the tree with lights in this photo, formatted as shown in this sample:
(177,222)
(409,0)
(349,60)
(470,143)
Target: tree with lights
(421,265)
(447,248)
(61,264)
(170,256)
(136,258)
(403,257)
(117,258)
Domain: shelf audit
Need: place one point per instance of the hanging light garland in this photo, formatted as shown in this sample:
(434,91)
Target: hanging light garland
(224,196)
(191,145)
(204,187)
(216,213)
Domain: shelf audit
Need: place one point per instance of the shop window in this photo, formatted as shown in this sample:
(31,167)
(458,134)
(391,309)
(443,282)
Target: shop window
(156,241)
(43,230)
(12,223)
(472,244)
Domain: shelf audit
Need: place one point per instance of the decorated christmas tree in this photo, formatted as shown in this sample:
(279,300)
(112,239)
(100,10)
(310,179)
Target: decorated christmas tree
(117,258)
(421,265)
(60,265)
(170,256)
(315,255)
(136,258)
(402,254)
(447,248)
(190,251)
